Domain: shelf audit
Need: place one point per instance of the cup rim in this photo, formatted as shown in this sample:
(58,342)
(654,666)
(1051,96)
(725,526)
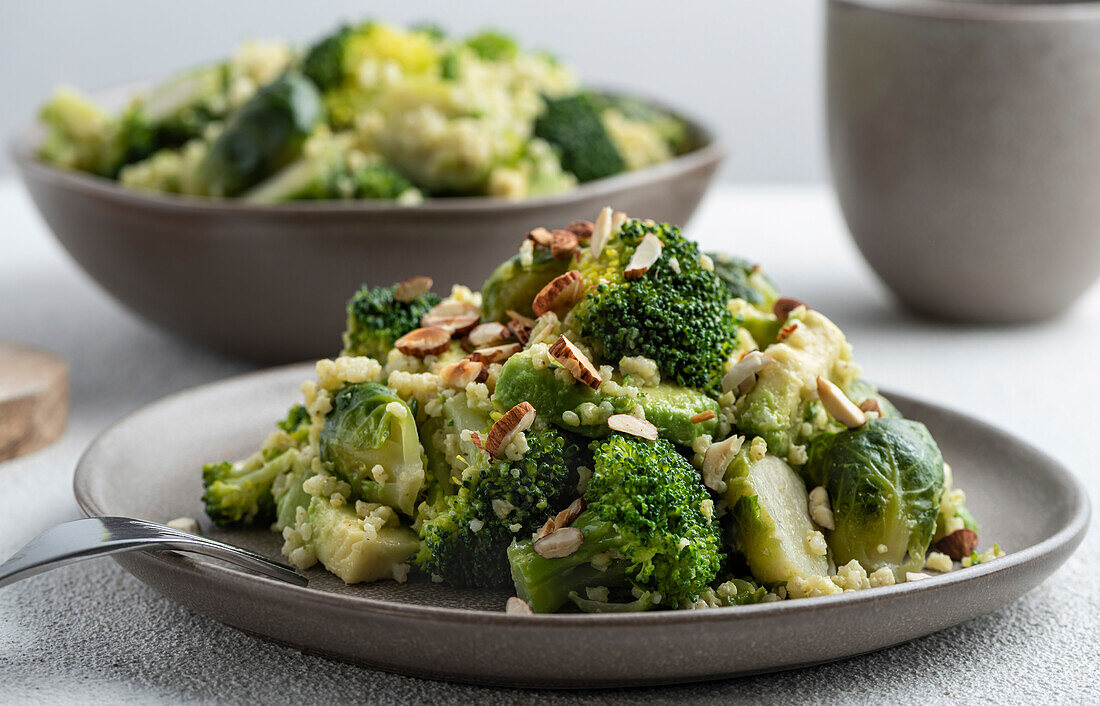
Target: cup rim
(1031,11)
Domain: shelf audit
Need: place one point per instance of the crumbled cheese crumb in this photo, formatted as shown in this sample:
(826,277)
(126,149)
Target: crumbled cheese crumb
(758,448)
(852,577)
(815,542)
(881,577)
(476,525)
(501,508)
(644,369)
(706,263)
(811,586)
(707,508)
(597,593)
(401,572)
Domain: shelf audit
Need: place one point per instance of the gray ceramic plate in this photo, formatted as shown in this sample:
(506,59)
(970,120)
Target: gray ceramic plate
(238,277)
(147,466)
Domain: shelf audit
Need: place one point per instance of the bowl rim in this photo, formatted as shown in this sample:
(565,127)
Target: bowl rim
(21,148)
(990,11)
(1068,536)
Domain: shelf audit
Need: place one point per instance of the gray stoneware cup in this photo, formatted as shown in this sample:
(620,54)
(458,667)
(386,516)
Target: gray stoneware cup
(965,146)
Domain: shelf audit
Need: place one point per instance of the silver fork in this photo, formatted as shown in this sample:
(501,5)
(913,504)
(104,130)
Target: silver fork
(100,536)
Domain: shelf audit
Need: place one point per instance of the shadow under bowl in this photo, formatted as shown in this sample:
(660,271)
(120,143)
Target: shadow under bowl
(269,283)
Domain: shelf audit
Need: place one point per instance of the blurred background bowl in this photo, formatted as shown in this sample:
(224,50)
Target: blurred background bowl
(965,150)
(269,283)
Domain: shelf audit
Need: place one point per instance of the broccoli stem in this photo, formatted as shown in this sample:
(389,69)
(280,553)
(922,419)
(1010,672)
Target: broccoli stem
(546,583)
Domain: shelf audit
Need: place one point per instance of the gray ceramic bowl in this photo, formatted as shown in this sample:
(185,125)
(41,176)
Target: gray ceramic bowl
(965,151)
(269,283)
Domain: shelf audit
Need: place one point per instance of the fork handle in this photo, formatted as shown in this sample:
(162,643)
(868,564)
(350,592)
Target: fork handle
(100,536)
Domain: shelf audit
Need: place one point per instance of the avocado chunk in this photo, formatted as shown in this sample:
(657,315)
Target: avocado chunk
(514,285)
(771,520)
(669,407)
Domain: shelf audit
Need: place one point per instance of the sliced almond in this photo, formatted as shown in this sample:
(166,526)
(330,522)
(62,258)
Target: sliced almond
(495,354)
(516,316)
(717,459)
(820,509)
(541,237)
(704,416)
(786,331)
(422,342)
(744,369)
(517,606)
(453,307)
(475,439)
(559,543)
(576,362)
(560,295)
(618,220)
(548,527)
(645,256)
(784,306)
(517,419)
(463,372)
(871,405)
(959,544)
(635,426)
(455,325)
(601,231)
(581,229)
(520,330)
(563,244)
(489,334)
(838,405)
(412,288)
(569,514)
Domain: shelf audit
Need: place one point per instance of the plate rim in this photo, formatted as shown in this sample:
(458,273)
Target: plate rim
(1068,536)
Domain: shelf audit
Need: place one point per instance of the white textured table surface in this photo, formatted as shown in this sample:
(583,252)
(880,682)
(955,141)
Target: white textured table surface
(91,632)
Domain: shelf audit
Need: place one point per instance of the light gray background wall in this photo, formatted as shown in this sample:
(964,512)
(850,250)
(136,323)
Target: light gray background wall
(752,69)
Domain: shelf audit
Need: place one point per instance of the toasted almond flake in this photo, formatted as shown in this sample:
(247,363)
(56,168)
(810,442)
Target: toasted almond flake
(959,544)
(463,372)
(489,334)
(575,362)
(516,316)
(784,306)
(581,229)
(455,325)
(517,419)
(190,525)
(744,369)
(560,294)
(601,231)
(422,342)
(618,220)
(635,426)
(704,416)
(559,543)
(838,405)
(569,514)
(645,256)
(786,331)
(915,576)
(548,527)
(871,405)
(819,508)
(520,330)
(453,307)
(412,288)
(495,354)
(717,459)
(475,439)
(541,237)
(518,606)
(564,244)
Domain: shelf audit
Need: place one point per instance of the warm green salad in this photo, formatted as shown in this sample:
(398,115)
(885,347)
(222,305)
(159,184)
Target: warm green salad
(616,422)
(372,111)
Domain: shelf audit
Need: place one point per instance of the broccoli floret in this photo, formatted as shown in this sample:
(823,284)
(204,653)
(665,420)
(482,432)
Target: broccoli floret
(644,525)
(744,280)
(376,320)
(675,314)
(380,181)
(573,126)
(493,46)
(240,493)
(324,62)
(465,540)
